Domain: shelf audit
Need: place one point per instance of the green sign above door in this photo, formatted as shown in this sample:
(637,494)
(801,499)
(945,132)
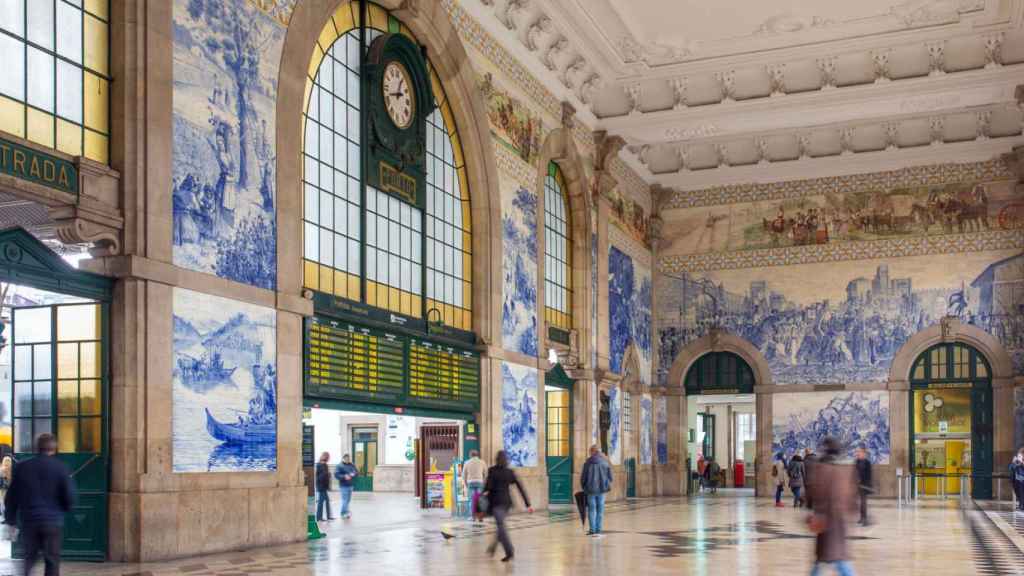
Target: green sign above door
(28,164)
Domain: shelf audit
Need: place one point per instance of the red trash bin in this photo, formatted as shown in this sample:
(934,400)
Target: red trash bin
(737,474)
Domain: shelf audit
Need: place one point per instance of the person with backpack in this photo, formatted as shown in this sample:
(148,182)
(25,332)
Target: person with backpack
(346,474)
(596,481)
(779,476)
(795,471)
(1017,477)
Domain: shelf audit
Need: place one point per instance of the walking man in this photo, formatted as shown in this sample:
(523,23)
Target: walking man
(864,484)
(346,474)
(498,490)
(323,488)
(596,481)
(41,494)
(474,471)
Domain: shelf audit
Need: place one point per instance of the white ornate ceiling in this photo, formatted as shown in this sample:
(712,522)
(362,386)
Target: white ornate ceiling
(722,91)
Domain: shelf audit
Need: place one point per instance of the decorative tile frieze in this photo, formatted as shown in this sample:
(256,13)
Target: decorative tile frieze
(512,165)
(624,241)
(935,174)
(890,248)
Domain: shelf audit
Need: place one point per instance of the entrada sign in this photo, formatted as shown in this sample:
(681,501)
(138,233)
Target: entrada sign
(28,164)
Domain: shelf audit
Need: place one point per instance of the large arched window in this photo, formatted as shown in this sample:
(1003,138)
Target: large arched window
(557,252)
(55,78)
(720,372)
(360,243)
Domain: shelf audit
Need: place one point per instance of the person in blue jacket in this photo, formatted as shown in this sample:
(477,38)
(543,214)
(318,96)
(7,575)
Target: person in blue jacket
(346,474)
(596,481)
(1017,477)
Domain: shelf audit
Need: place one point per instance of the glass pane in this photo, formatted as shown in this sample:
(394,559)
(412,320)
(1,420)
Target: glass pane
(67,360)
(89,396)
(69,91)
(12,16)
(92,438)
(40,22)
(31,325)
(43,395)
(89,360)
(981,369)
(40,79)
(78,322)
(12,81)
(41,363)
(23,399)
(67,397)
(69,32)
(67,435)
(23,435)
(23,362)
(41,426)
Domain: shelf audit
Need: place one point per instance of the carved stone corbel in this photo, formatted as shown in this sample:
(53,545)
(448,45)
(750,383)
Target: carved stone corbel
(105,240)
(949,326)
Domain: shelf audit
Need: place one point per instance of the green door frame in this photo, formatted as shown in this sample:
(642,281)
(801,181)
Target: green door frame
(26,261)
(559,468)
(364,481)
(925,374)
(630,477)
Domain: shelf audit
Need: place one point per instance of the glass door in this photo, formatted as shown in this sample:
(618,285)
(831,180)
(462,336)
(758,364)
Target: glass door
(364,457)
(559,445)
(59,378)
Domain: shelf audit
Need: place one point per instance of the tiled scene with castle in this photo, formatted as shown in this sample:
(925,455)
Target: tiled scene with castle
(391,286)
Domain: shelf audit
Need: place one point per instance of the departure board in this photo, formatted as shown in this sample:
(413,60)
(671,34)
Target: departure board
(346,361)
(443,372)
(354,362)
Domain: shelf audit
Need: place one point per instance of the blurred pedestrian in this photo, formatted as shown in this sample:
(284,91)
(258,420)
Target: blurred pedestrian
(711,473)
(1017,477)
(323,487)
(831,488)
(346,474)
(41,493)
(779,476)
(795,471)
(865,486)
(500,479)
(596,481)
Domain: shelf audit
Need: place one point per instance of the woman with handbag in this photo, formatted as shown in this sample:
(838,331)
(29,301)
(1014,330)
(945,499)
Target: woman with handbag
(497,499)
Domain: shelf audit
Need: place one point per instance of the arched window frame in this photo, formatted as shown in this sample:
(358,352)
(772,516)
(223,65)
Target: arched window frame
(55,88)
(950,362)
(719,371)
(558,251)
(434,244)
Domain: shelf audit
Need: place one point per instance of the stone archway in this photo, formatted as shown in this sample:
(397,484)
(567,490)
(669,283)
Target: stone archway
(951,330)
(432,27)
(720,341)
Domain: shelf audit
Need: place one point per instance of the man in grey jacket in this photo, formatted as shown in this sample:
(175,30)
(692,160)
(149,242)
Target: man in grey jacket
(596,481)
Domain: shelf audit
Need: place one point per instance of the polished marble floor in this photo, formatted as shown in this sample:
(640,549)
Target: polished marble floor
(723,534)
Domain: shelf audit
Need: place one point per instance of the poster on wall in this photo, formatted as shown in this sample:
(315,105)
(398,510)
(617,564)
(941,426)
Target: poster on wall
(519,269)
(803,420)
(661,422)
(226,57)
(519,414)
(224,386)
(615,427)
(646,428)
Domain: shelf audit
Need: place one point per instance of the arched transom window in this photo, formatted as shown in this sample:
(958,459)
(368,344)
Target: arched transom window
(360,243)
(55,75)
(557,251)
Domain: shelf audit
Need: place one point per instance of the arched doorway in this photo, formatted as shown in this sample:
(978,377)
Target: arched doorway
(951,417)
(721,409)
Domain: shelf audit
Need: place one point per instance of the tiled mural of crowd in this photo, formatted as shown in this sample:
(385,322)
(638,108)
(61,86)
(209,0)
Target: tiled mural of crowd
(813,325)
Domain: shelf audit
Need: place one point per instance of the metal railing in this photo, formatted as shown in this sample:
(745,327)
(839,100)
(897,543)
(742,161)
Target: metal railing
(909,487)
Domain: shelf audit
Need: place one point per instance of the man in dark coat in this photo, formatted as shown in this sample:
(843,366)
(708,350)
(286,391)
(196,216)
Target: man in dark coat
(498,490)
(864,482)
(323,487)
(41,494)
(596,481)
(831,488)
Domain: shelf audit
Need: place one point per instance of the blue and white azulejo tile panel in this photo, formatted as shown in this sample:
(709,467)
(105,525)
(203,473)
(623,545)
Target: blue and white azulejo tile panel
(629,312)
(226,59)
(803,419)
(224,387)
(519,414)
(519,265)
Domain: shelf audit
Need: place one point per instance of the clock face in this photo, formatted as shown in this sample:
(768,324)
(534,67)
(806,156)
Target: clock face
(399,100)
